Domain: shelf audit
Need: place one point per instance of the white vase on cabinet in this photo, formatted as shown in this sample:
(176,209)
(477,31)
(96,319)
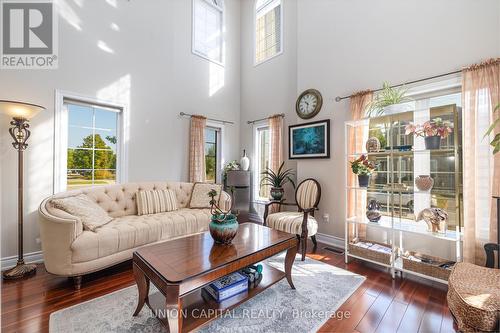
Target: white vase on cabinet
(245,161)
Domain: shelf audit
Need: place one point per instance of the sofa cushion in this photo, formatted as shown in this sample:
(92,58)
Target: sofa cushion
(91,215)
(199,196)
(132,231)
(155,201)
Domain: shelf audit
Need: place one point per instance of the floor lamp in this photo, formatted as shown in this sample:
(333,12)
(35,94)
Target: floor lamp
(19,130)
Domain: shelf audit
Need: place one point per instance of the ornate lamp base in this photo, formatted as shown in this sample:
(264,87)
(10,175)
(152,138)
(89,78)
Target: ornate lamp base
(20,270)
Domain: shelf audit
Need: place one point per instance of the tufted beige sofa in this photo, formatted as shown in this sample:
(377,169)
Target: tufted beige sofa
(69,250)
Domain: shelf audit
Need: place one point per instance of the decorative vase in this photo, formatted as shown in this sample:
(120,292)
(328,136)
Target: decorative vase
(373,211)
(372,145)
(363,180)
(245,161)
(277,193)
(432,142)
(224,231)
(424,182)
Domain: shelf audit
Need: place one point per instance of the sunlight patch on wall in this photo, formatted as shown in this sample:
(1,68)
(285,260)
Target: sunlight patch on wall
(118,92)
(112,3)
(68,14)
(216,78)
(103,46)
(114,27)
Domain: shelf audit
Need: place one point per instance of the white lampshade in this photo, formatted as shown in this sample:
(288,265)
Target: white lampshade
(19,109)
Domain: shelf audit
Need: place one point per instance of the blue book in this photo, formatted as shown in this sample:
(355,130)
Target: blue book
(227,286)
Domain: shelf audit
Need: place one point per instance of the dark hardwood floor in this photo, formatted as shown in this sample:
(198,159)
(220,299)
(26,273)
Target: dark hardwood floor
(381,304)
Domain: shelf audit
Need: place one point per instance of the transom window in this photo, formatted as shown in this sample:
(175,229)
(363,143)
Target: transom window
(92,140)
(207,29)
(268,29)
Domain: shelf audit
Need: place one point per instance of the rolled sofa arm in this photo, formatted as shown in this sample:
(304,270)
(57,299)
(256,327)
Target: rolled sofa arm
(58,230)
(225,201)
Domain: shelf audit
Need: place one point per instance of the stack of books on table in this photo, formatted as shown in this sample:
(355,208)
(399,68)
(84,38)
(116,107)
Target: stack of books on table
(228,286)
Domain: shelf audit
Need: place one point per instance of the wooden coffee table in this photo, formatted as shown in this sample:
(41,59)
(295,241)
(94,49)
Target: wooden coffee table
(181,267)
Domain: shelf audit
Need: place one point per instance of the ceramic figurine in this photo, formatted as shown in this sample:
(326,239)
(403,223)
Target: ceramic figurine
(373,211)
(372,145)
(424,182)
(436,219)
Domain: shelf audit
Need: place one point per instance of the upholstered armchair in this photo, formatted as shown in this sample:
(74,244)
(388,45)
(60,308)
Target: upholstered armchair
(302,223)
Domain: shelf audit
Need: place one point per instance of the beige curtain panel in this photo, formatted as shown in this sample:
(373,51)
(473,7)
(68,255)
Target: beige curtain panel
(276,141)
(197,149)
(359,103)
(481,169)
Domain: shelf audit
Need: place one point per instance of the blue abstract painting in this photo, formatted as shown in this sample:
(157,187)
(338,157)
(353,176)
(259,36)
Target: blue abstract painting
(310,140)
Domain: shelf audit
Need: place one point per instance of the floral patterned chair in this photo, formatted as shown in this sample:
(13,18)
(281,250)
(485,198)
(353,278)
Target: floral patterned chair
(302,223)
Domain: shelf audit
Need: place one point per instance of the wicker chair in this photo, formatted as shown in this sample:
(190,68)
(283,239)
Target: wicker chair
(302,223)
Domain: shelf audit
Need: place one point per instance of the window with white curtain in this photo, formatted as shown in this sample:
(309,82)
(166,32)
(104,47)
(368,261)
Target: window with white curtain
(262,153)
(207,29)
(268,29)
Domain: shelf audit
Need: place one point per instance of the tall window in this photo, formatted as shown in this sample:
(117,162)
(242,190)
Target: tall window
(207,29)
(212,140)
(262,152)
(92,141)
(268,29)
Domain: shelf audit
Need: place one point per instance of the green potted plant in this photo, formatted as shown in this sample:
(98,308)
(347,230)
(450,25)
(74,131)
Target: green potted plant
(363,167)
(223,225)
(495,143)
(230,166)
(385,98)
(432,131)
(277,180)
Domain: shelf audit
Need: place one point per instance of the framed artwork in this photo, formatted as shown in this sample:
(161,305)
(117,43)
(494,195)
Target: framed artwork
(309,140)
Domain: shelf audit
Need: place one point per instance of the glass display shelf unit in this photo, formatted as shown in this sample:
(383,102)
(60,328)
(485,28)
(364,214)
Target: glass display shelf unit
(396,191)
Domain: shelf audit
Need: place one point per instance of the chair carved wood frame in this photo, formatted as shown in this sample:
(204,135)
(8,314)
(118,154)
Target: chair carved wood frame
(306,210)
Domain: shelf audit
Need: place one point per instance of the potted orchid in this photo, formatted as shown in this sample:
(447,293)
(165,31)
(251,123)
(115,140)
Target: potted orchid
(363,167)
(223,225)
(432,131)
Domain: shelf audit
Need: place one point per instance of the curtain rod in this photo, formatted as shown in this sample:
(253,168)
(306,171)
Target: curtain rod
(338,98)
(211,119)
(256,120)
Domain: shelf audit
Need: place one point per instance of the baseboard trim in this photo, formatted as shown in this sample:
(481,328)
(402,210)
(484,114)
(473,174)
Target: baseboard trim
(33,258)
(255,218)
(330,240)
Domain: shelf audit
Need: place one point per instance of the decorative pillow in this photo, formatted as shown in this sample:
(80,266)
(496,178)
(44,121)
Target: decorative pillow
(155,201)
(81,206)
(199,196)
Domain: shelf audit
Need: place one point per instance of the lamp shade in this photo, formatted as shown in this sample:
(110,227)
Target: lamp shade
(19,109)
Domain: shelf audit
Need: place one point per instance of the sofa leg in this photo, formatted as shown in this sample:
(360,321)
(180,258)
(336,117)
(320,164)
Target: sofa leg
(77,282)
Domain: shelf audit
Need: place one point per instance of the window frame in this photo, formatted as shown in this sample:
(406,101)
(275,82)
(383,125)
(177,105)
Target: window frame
(221,9)
(61,136)
(254,56)
(256,165)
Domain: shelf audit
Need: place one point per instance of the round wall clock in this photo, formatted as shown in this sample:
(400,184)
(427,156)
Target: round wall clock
(309,104)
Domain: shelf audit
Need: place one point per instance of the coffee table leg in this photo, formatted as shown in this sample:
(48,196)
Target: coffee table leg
(143,286)
(174,309)
(289,259)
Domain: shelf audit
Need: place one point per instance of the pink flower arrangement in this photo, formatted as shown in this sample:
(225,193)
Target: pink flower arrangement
(434,127)
(363,166)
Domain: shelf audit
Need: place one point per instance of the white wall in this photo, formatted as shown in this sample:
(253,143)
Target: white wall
(269,87)
(346,46)
(151,68)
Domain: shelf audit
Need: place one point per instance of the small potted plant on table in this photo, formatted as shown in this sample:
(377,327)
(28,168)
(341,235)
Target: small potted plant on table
(432,131)
(363,167)
(277,180)
(223,225)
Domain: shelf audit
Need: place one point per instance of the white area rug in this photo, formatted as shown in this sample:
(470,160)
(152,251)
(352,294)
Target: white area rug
(321,289)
